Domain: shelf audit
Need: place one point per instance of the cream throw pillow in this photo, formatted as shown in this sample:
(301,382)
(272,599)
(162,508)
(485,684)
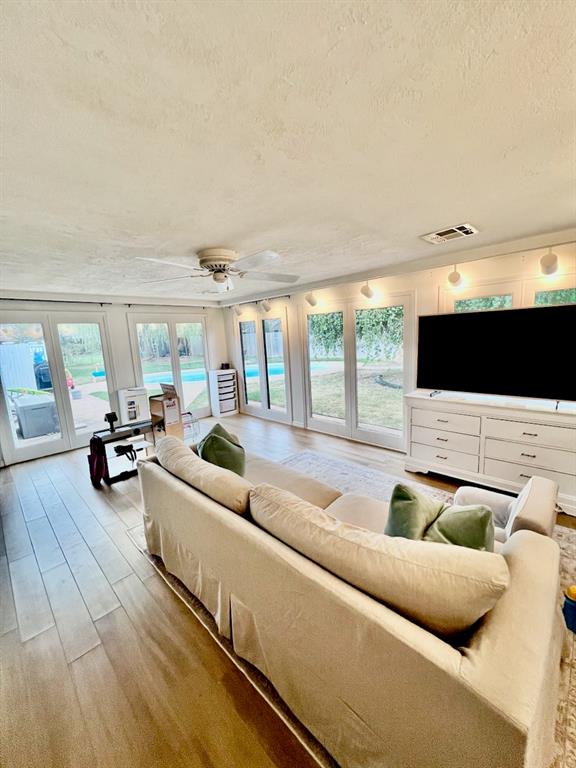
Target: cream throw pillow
(445,589)
(221,485)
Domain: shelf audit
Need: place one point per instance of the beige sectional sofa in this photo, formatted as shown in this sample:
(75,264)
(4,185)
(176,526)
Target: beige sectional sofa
(377,689)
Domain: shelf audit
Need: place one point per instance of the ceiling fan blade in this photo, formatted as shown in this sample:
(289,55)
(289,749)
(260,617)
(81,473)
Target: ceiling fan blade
(169,279)
(170,263)
(257,260)
(275,277)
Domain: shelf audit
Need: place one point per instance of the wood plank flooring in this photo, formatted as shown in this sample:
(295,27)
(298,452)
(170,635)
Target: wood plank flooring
(101,665)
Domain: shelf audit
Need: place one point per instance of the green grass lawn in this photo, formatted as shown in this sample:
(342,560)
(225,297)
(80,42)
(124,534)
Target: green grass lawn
(378,405)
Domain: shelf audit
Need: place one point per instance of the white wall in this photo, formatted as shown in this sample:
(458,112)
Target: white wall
(518,273)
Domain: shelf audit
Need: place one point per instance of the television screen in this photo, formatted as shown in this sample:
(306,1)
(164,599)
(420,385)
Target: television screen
(515,352)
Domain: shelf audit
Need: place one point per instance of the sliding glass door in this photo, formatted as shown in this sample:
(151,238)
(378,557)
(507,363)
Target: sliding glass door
(173,351)
(357,370)
(326,371)
(56,382)
(380,375)
(264,365)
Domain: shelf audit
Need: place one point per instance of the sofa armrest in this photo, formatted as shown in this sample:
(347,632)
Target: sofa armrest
(499,503)
(535,508)
(513,659)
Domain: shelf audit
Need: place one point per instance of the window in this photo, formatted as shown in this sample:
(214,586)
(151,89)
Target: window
(190,345)
(326,364)
(483,303)
(27,381)
(86,377)
(380,367)
(274,359)
(554,297)
(250,365)
(155,357)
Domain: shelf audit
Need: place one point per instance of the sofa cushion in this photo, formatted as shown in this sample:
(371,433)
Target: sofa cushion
(259,470)
(221,485)
(363,511)
(445,589)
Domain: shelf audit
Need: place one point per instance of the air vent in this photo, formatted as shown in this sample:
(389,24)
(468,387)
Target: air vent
(451,233)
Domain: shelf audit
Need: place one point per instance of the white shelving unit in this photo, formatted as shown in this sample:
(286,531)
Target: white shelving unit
(223,391)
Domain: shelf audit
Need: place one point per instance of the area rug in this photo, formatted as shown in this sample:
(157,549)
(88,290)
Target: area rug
(350,477)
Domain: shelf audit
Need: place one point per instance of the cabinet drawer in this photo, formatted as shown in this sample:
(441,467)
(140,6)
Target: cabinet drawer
(441,439)
(532,456)
(447,458)
(224,390)
(517,473)
(225,377)
(537,434)
(451,422)
(227,405)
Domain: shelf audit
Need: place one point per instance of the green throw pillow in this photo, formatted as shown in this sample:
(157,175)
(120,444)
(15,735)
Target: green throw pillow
(467,526)
(414,515)
(411,512)
(221,448)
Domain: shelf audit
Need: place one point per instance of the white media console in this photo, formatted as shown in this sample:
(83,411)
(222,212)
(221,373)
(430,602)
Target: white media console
(495,441)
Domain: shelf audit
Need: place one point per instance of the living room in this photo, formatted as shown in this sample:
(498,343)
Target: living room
(340,240)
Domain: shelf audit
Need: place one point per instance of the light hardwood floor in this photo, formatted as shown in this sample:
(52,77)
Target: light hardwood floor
(101,664)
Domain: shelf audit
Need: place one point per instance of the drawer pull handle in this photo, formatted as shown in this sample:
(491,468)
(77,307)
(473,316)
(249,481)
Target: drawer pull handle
(529,455)
(441,457)
(442,439)
(523,475)
(442,421)
(530,434)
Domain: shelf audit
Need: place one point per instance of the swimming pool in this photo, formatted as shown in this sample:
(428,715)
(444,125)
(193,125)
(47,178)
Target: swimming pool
(274,369)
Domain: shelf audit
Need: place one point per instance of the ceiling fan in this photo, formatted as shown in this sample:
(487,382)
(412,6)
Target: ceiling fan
(222,264)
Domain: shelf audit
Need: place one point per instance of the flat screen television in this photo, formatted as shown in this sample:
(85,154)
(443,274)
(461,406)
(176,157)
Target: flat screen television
(515,352)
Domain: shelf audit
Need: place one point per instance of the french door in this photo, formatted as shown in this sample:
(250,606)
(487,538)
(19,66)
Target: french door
(358,369)
(264,373)
(173,351)
(56,379)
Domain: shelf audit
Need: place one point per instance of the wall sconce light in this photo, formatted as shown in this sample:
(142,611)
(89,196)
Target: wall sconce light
(549,263)
(311,299)
(367,291)
(455,278)
(238,310)
(265,305)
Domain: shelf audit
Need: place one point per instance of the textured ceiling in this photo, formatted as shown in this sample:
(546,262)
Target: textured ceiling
(332,132)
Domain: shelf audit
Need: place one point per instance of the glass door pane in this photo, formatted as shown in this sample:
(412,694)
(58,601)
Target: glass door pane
(250,365)
(380,367)
(27,381)
(190,345)
(155,356)
(274,357)
(85,371)
(326,365)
